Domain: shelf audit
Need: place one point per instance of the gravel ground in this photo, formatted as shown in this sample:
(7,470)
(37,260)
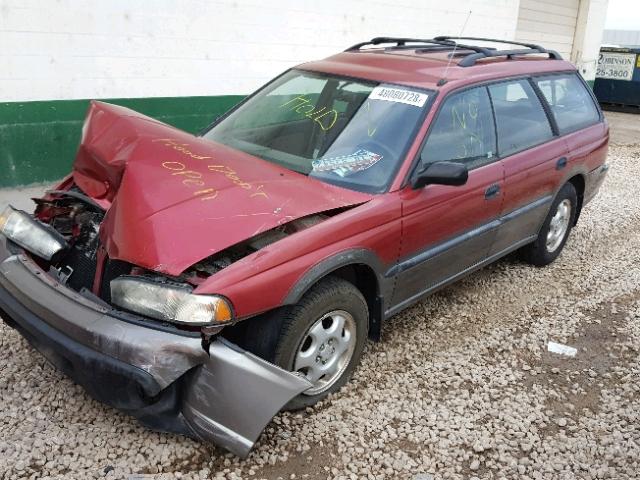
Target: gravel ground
(462,385)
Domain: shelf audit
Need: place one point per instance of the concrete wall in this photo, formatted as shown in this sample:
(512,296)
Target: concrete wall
(552,24)
(572,27)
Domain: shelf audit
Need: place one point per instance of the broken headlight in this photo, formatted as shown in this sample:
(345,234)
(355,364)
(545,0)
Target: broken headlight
(30,234)
(169,302)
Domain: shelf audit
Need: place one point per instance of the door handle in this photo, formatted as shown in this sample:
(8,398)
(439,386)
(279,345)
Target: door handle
(492,191)
(561,163)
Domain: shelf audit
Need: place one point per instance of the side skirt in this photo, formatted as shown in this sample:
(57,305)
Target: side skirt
(428,291)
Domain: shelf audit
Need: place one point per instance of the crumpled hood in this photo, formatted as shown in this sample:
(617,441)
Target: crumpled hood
(174,199)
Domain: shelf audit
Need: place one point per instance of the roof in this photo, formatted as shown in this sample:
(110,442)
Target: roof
(422,68)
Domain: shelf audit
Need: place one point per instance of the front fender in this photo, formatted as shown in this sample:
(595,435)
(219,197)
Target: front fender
(330,264)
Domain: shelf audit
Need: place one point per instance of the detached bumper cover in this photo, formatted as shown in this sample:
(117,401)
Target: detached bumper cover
(166,380)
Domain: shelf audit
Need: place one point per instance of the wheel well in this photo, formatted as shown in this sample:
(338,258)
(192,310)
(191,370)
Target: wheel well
(578,183)
(360,275)
(365,280)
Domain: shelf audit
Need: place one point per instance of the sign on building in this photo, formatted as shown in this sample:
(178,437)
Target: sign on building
(616,66)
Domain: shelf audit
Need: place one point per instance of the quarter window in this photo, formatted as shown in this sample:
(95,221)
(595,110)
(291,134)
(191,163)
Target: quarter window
(571,104)
(463,131)
(520,118)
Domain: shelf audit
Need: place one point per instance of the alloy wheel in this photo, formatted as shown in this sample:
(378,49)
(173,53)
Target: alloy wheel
(559,225)
(326,350)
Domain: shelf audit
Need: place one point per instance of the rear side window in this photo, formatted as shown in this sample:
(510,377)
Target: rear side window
(463,130)
(520,118)
(570,102)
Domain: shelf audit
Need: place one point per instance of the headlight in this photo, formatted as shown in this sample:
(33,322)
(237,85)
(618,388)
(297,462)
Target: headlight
(172,303)
(23,229)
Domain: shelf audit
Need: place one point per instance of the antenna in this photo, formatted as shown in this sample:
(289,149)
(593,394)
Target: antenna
(443,80)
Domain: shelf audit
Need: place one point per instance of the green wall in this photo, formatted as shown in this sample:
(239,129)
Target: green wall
(38,140)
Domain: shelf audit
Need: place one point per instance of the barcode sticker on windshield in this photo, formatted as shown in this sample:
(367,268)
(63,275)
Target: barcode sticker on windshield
(399,95)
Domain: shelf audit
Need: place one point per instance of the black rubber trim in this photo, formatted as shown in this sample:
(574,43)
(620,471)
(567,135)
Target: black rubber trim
(431,252)
(448,281)
(352,256)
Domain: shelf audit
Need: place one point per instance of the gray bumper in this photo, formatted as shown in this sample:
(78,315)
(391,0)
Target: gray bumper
(166,379)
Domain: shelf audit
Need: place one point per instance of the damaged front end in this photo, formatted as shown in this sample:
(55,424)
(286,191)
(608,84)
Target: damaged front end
(109,278)
(169,379)
(165,377)
(57,287)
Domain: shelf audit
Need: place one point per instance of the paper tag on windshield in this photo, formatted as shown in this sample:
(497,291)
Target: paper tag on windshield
(399,95)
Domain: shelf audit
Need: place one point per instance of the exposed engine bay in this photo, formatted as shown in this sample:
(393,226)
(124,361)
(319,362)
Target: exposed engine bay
(78,219)
(85,266)
(220,260)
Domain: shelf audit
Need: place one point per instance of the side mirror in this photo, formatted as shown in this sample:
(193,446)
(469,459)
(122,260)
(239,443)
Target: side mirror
(441,173)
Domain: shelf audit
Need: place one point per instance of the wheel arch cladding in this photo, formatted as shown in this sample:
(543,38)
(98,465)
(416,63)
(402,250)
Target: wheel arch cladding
(365,280)
(578,183)
(360,267)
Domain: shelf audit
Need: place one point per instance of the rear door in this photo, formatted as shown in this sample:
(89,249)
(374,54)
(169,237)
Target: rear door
(447,229)
(533,157)
(578,119)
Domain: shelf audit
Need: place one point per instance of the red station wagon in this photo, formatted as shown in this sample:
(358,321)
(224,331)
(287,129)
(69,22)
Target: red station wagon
(203,283)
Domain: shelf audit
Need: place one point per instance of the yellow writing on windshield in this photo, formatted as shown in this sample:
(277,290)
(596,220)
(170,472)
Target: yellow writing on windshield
(326,119)
(370,131)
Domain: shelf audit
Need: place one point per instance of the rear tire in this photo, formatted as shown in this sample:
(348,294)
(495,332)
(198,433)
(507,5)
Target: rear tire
(555,230)
(321,337)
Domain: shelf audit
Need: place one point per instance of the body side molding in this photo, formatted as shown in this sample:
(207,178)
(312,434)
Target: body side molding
(457,240)
(409,301)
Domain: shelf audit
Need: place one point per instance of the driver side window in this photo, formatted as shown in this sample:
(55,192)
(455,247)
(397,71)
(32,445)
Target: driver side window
(463,131)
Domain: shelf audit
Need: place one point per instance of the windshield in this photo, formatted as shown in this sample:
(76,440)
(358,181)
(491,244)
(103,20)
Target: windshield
(351,133)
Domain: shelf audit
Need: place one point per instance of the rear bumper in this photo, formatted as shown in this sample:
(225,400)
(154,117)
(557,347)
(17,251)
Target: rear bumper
(166,380)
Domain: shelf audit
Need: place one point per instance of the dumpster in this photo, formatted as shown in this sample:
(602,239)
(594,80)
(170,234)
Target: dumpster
(617,83)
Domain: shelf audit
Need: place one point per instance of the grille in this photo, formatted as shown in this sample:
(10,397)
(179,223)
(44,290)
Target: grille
(82,259)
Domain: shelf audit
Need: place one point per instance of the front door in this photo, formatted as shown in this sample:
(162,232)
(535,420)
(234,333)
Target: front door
(448,230)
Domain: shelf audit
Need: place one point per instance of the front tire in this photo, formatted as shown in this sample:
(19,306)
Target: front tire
(555,230)
(321,337)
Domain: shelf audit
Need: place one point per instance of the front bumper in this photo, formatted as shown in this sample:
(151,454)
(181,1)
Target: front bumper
(165,379)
